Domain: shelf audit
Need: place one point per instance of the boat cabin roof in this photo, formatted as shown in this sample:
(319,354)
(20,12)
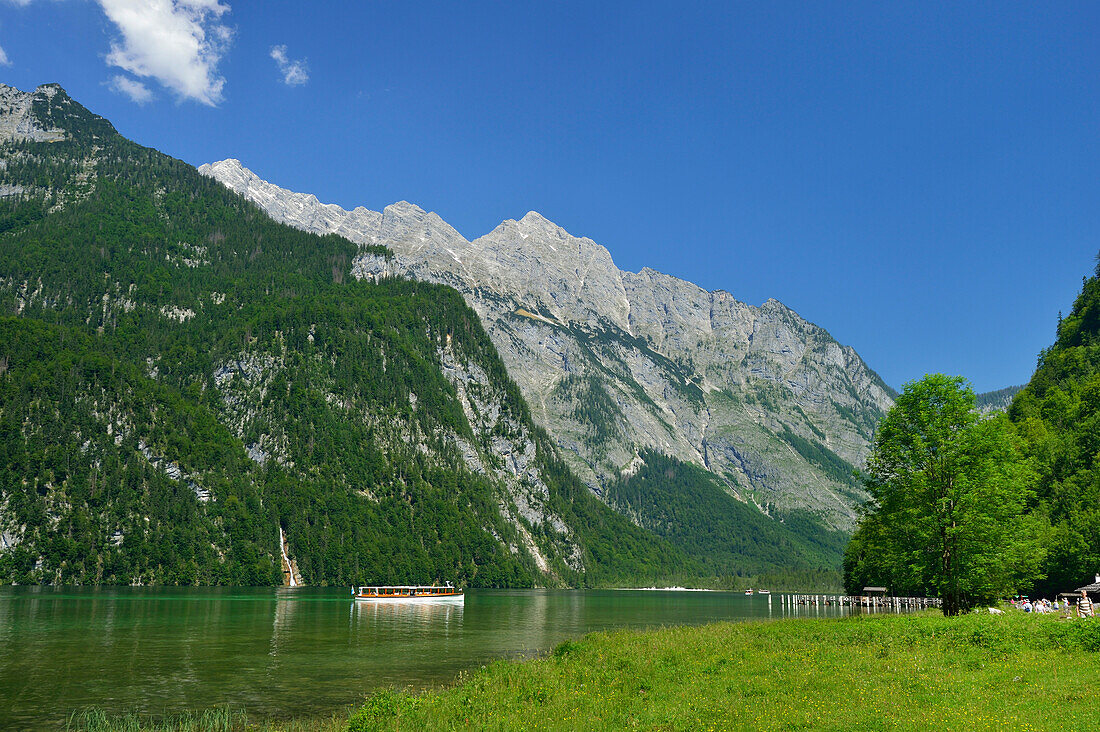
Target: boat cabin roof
(406,587)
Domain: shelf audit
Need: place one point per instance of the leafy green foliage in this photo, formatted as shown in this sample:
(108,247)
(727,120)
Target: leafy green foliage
(1058,414)
(949,491)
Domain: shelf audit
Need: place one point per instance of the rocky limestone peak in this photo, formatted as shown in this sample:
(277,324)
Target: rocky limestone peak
(230,172)
(18,122)
(614,362)
(301,210)
(408,230)
(49,89)
(404,208)
(544,266)
(535,223)
(664,307)
(537,235)
(774,305)
(49,114)
(403,220)
(649,277)
(421,241)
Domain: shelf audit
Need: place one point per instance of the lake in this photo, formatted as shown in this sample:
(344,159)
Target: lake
(282,653)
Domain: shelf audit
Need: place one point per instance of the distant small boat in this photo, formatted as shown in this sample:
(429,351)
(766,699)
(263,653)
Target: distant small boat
(763,592)
(409,593)
(748,592)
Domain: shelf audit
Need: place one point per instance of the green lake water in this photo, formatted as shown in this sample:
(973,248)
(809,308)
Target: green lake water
(280,653)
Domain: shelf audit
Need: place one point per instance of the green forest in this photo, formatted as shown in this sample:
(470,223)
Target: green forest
(970,506)
(181,377)
(735,542)
(1058,417)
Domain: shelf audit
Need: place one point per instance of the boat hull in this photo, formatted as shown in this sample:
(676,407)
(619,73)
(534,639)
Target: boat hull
(412,599)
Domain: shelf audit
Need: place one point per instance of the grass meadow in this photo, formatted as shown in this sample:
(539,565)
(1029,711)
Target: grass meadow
(878,672)
(908,672)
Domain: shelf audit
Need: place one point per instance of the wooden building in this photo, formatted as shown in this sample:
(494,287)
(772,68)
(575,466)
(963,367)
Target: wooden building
(1093,589)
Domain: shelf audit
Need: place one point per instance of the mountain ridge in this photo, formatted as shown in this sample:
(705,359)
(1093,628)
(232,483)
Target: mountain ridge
(184,381)
(691,373)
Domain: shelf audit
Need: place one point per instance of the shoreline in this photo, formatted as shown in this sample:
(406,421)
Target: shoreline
(668,589)
(905,671)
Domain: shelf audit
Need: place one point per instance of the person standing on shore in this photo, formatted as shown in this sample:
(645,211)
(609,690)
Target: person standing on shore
(1084,606)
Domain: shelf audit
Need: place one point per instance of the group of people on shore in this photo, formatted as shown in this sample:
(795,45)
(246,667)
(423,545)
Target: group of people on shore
(1082,608)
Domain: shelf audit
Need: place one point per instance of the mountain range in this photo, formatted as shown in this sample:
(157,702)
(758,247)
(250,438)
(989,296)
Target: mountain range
(616,364)
(193,392)
(189,391)
(208,379)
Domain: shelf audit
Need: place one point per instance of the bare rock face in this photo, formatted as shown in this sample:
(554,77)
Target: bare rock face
(300,210)
(17,121)
(614,362)
(509,456)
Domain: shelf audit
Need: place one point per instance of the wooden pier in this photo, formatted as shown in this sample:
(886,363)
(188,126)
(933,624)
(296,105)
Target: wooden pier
(871,602)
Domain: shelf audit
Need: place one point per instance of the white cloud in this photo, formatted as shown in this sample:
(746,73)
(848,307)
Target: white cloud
(137,91)
(294,73)
(177,42)
(4,58)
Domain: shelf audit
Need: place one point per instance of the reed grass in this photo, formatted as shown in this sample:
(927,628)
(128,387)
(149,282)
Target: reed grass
(218,719)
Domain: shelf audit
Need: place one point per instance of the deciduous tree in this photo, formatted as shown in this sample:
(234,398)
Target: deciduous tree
(948,497)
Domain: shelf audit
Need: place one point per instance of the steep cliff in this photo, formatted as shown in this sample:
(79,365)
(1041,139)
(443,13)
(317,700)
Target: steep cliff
(614,363)
(190,391)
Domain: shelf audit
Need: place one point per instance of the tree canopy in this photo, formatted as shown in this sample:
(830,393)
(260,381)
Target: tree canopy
(949,493)
(1058,415)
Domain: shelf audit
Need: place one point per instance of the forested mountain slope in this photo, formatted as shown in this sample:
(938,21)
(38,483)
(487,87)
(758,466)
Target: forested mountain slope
(999,400)
(693,510)
(182,380)
(1058,415)
(619,364)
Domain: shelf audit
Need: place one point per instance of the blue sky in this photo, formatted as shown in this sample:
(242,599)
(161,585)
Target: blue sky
(921,178)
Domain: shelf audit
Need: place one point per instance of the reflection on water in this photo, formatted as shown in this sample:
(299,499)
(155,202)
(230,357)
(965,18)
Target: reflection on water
(404,617)
(293,652)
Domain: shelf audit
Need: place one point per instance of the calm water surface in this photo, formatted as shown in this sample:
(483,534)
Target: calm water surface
(288,653)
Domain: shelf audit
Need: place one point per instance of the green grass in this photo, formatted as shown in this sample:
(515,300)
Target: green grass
(868,673)
(218,719)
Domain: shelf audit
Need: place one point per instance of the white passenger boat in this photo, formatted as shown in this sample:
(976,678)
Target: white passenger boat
(409,593)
